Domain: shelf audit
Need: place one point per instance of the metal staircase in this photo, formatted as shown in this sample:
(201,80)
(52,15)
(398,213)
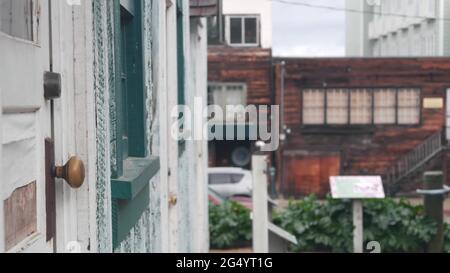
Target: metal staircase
(413,161)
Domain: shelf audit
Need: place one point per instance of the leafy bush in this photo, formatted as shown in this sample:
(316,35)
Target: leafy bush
(327,225)
(229,224)
(446,238)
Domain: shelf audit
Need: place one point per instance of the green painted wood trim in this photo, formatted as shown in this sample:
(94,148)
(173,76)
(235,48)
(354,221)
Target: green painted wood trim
(116,100)
(136,95)
(126,214)
(136,176)
(181,147)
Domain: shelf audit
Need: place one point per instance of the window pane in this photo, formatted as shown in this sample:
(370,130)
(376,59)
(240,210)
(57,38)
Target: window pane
(337,106)
(219,179)
(213,30)
(361,107)
(408,106)
(250,31)
(236,178)
(313,106)
(385,106)
(236,30)
(16,18)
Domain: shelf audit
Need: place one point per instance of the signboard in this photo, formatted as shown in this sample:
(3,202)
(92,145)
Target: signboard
(357,187)
(433,103)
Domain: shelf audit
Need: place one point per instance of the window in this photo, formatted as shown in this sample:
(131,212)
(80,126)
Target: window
(313,106)
(243,30)
(228,94)
(215,29)
(16,18)
(361,106)
(224,178)
(337,106)
(383,106)
(408,106)
(130,90)
(236,30)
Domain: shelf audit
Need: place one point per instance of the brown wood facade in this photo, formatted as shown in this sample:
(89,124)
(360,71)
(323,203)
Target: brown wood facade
(203,8)
(250,66)
(313,153)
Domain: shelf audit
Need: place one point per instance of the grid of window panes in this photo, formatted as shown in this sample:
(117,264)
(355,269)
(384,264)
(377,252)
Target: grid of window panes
(361,106)
(227,95)
(313,106)
(243,30)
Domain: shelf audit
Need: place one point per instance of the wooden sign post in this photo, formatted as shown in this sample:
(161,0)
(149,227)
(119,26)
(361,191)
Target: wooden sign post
(357,188)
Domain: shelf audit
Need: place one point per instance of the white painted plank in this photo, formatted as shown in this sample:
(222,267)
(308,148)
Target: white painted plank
(358,226)
(200,82)
(172,142)
(2,227)
(160,81)
(260,211)
(85,125)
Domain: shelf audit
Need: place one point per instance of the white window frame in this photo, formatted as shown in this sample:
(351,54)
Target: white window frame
(242,17)
(374,107)
(224,86)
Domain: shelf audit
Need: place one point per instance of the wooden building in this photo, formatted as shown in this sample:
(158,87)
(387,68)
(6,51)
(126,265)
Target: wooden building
(247,74)
(239,72)
(347,116)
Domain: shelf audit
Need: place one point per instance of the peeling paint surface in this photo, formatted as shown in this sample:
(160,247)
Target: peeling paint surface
(101,87)
(144,237)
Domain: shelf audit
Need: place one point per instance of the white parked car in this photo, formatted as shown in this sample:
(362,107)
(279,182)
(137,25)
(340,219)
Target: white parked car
(229,182)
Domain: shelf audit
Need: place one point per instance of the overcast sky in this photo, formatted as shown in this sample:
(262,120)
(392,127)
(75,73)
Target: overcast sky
(308,32)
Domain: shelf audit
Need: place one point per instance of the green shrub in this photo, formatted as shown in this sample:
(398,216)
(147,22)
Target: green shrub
(229,225)
(326,226)
(446,238)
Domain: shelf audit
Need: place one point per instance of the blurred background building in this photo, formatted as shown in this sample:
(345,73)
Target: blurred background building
(397,28)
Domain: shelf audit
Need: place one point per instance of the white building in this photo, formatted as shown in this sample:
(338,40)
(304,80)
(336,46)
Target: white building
(397,28)
(243,23)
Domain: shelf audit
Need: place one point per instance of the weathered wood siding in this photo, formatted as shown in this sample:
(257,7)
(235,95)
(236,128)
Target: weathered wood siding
(252,66)
(363,149)
(243,65)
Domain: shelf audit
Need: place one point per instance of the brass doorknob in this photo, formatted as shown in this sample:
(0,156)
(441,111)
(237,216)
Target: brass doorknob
(73,172)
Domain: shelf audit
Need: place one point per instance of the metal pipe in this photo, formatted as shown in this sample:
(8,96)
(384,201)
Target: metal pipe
(282,123)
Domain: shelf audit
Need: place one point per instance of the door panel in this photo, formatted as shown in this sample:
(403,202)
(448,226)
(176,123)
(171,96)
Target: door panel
(26,122)
(307,175)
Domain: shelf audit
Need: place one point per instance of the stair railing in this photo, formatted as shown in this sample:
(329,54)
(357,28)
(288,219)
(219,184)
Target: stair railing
(413,160)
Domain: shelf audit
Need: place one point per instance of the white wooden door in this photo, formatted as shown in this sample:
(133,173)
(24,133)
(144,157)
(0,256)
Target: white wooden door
(26,123)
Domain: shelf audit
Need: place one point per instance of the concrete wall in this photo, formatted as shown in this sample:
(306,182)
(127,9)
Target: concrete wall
(357,43)
(419,32)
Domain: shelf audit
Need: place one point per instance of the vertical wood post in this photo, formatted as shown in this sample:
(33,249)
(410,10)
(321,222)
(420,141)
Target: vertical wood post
(260,199)
(2,226)
(358,239)
(434,208)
